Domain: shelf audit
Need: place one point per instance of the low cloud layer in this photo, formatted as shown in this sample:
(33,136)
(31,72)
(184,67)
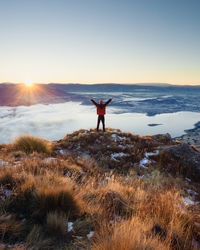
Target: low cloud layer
(54,121)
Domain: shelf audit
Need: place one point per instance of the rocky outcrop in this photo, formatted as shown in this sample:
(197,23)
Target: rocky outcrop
(188,158)
(192,136)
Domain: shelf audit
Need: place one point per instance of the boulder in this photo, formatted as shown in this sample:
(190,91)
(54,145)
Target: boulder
(187,156)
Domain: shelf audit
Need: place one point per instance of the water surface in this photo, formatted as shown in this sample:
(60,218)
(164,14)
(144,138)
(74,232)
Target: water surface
(54,121)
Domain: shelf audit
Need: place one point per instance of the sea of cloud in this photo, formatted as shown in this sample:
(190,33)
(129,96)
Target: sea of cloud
(54,121)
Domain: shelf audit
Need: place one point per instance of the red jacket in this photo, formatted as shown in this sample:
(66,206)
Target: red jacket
(101,108)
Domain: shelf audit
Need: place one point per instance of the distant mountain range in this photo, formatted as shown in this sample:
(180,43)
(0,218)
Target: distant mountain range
(19,94)
(128,98)
(109,87)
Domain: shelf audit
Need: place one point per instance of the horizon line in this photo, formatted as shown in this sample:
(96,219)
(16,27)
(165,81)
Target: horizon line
(96,83)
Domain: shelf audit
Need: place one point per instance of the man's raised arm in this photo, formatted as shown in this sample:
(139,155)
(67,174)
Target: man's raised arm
(93,102)
(108,101)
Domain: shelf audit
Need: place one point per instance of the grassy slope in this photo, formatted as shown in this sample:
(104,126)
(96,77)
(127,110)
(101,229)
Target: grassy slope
(97,182)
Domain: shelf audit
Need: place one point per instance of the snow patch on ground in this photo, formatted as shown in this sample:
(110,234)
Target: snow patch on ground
(122,147)
(50,159)
(116,155)
(90,234)
(147,154)
(61,151)
(188,201)
(187,179)
(125,147)
(14,246)
(117,137)
(79,237)
(69,226)
(3,163)
(191,192)
(68,174)
(145,160)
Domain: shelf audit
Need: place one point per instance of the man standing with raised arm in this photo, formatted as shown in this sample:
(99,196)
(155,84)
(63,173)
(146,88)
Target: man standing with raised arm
(101,111)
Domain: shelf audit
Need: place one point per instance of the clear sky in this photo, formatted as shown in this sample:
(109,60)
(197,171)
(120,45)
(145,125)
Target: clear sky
(95,41)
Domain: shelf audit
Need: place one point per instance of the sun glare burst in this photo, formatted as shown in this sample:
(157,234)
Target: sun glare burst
(29,84)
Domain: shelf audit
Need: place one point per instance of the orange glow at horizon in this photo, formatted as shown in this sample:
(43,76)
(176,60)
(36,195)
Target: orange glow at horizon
(34,94)
(29,84)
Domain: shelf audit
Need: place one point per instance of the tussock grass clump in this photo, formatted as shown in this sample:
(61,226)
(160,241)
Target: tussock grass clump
(35,202)
(22,202)
(132,234)
(59,199)
(30,144)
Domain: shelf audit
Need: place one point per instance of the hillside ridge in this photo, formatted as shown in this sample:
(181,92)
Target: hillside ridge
(99,190)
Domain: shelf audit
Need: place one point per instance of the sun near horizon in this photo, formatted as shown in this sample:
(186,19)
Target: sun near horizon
(29,83)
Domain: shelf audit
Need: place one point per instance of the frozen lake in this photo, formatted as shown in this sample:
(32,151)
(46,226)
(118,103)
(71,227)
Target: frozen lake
(54,121)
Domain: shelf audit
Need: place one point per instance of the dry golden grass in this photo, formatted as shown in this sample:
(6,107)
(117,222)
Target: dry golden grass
(131,234)
(124,211)
(163,207)
(56,199)
(30,144)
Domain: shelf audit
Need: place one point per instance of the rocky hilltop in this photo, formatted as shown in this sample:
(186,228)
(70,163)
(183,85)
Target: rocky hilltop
(95,190)
(121,152)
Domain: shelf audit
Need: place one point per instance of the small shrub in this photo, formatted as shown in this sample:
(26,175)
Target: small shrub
(30,144)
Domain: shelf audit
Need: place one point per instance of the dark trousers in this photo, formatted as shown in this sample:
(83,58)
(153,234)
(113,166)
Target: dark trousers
(102,119)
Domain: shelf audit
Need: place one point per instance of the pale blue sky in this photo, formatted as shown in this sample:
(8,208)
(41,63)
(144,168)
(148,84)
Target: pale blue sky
(89,41)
